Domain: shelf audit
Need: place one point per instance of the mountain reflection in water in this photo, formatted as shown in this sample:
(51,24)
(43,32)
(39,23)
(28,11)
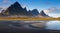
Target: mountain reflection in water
(28,26)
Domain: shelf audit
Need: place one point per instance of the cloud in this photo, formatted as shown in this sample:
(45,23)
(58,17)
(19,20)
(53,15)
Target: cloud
(53,12)
(50,10)
(24,5)
(4,1)
(1,9)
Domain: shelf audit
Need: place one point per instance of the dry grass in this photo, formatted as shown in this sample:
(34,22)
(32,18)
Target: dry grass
(28,18)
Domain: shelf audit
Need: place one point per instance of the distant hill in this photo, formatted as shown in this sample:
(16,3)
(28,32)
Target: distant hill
(42,14)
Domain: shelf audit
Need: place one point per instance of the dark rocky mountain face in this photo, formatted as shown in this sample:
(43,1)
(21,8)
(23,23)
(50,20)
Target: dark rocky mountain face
(34,12)
(43,14)
(29,14)
(15,9)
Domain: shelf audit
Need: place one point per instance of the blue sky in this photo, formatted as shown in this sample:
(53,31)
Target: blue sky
(50,7)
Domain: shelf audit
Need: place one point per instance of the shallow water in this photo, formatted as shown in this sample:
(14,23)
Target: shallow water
(53,25)
(29,26)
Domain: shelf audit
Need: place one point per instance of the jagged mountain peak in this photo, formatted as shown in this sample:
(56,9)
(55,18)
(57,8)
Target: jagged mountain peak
(25,8)
(42,13)
(35,11)
(17,2)
(15,9)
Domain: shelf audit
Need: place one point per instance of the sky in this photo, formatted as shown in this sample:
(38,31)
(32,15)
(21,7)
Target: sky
(50,7)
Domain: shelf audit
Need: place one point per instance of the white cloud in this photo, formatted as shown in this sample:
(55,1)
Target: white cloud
(4,1)
(54,15)
(1,9)
(53,9)
(53,12)
(23,5)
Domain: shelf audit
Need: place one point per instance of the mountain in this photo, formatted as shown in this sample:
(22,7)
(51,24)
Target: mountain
(15,9)
(29,13)
(1,12)
(34,12)
(42,14)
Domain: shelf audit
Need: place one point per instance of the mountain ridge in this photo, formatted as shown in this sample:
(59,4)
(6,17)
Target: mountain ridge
(42,14)
(17,9)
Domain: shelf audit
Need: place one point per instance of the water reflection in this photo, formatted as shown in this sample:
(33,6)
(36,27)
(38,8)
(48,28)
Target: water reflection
(53,25)
(28,26)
